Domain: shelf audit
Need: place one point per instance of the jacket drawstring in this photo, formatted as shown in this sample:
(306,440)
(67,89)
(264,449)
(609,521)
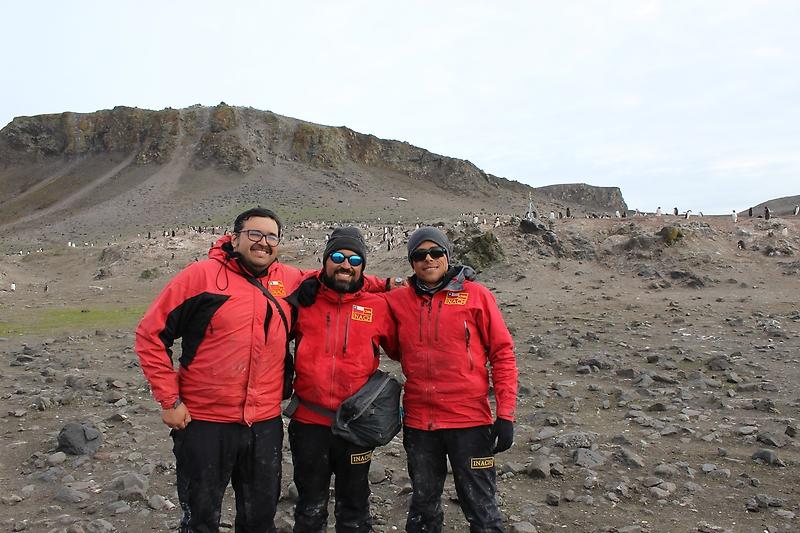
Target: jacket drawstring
(222,267)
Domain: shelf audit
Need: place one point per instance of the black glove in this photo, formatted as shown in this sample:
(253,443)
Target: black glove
(503,430)
(307,292)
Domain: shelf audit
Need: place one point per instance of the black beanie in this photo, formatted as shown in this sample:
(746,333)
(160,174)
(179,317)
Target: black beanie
(428,233)
(348,238)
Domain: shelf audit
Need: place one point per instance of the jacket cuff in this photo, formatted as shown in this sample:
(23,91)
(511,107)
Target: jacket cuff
(169,403)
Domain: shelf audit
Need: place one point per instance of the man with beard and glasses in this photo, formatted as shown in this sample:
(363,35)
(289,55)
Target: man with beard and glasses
(338,330)
(453,343)
(223,402)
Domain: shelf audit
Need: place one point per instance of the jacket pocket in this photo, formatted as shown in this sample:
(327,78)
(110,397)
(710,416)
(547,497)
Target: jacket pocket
(436,323)
(467,339)
(346,334)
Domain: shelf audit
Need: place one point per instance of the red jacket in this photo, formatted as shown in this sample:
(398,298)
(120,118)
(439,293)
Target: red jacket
(445,343)
(337,348)
(231,365)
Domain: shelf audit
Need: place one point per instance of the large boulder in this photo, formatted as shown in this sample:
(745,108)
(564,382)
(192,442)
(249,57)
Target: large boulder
(531,226)
(131,486)
(79,439)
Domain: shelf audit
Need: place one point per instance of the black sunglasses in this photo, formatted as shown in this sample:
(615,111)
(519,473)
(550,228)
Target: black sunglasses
(339,257)
(422,253)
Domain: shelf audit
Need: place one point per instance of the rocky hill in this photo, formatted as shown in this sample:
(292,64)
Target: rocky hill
(777,206)
(126,169)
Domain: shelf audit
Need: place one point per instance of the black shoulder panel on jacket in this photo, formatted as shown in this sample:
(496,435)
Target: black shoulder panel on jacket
(189,321)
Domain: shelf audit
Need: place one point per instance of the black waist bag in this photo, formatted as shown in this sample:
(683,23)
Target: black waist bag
(370,417)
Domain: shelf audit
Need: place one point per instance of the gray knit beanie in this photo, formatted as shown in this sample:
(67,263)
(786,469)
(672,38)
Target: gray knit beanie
(348,238)
(429,233)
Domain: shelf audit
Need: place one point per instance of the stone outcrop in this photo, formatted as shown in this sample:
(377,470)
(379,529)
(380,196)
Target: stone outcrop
(589,196)
(151,134)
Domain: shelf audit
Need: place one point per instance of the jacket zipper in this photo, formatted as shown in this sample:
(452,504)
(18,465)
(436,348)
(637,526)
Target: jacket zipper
(327,332)
(421,312)
(469,350)
(333,358)
(431,425)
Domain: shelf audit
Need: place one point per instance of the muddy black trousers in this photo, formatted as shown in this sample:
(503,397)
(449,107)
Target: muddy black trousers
(208,455)
(316,454)
(470,453)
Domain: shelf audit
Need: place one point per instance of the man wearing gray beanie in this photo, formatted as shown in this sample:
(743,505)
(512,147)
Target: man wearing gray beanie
(449,331)
(429,233)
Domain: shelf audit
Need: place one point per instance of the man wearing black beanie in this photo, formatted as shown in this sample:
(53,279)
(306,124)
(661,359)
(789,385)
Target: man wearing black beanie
(338,329)
(342,276)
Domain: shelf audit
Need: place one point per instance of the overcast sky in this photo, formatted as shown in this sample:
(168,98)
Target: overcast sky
(694,104)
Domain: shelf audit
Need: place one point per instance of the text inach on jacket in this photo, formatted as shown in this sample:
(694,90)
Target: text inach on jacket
(361,313)
(456,298)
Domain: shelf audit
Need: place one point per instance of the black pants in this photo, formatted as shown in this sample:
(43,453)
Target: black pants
(208,455)
(470,453)
(317,453)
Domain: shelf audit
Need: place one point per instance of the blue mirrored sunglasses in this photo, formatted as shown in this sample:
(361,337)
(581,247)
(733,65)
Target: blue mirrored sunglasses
(339,257)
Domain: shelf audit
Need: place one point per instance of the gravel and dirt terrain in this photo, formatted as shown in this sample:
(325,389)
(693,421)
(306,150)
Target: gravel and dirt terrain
(658,374)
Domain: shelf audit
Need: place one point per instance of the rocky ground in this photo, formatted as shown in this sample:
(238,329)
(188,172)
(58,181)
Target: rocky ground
(657,382)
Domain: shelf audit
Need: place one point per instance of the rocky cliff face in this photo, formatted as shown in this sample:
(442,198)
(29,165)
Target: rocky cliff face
(142,159)
(228,137)
(151,134)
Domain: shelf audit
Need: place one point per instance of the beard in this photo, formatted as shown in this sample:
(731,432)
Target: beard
(340,285)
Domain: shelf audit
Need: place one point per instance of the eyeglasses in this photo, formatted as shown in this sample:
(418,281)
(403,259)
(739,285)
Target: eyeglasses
(422,253)
(256,236)
(339,257)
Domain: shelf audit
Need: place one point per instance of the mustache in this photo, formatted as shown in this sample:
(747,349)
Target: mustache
(267,248)
(350,271)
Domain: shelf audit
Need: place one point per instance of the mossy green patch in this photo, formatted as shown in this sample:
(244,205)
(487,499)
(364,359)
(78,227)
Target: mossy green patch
(72,319)
(670,234)
(150,273)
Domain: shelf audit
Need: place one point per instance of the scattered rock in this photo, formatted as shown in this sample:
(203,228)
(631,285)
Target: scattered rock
(79,439)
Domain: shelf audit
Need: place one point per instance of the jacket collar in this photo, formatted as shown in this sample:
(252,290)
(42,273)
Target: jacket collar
(453,280)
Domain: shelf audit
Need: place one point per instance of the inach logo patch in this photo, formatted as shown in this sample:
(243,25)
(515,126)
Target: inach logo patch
(481,462)
(456,298)
(362,314)
(360,458)
(276,288)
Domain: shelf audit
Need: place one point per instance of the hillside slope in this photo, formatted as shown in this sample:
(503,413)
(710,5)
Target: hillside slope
(126,169)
